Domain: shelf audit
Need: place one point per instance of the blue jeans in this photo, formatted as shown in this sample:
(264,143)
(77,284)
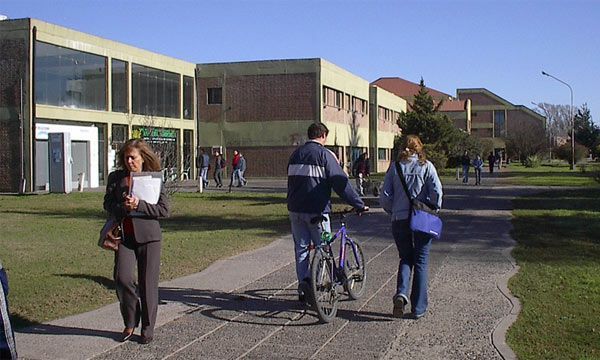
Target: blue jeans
(465,169)
(413,249)
(304,233)
(203,176)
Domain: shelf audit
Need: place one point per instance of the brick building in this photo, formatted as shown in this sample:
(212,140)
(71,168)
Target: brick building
(263,108)
(496,118)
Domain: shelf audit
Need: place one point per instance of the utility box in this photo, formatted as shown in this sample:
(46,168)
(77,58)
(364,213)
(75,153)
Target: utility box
(60,162)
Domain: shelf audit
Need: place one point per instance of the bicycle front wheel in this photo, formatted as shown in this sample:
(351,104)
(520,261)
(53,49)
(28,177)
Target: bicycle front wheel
(355,270)
(324,297)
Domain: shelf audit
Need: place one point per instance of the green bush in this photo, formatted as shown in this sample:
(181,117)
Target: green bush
(532,161)
(438,158)
(563,152)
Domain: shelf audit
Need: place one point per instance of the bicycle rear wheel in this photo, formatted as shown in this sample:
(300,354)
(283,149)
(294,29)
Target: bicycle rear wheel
(324,297)
(355,270)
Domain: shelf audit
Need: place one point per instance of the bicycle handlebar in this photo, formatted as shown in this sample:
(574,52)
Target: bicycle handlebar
(341,213)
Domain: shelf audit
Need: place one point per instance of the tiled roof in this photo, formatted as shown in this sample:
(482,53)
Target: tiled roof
(406,89)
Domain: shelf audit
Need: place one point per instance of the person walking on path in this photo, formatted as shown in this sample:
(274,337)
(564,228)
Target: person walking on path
(8,348)
(202,163)
(141,243)
(313,171)
(362,172)
(219,166)
(235,171)
(413,247)
(478,166)
(491,161)
(241,169)
(465,161)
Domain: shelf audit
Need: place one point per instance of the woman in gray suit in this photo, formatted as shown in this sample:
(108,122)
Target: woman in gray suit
(141,240)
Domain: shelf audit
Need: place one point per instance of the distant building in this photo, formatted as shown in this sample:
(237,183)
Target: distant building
(476,111)
(101,92)
(496,119)
(263,109)
(459,111)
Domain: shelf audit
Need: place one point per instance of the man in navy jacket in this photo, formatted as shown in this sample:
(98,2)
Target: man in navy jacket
(313,171)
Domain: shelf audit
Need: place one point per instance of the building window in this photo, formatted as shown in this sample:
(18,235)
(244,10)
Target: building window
(214,96)
(119,85)
(188,97)
(154,92)
(499,123)
(382,154)
(118,136)
(69,78)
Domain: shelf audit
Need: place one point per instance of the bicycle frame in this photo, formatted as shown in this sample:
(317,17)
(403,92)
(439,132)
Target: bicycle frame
(344,238)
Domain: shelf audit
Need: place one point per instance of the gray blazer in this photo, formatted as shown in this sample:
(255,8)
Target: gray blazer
(146,228)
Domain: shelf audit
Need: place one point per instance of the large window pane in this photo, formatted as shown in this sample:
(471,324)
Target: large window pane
(69,78)
(154,92)
(119,85)
(499,123)
(188,97)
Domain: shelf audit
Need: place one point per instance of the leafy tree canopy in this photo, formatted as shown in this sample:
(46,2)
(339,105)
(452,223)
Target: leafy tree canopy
(586,132)
(443,140)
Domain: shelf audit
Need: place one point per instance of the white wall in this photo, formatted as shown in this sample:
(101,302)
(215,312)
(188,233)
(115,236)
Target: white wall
(78,133)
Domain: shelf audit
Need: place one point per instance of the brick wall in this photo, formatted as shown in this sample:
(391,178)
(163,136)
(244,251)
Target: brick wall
(518,120)
(281,97)
(264,161)
(479,99)
(13,59)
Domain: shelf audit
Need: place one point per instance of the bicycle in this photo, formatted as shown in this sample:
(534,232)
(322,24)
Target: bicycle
(327,276)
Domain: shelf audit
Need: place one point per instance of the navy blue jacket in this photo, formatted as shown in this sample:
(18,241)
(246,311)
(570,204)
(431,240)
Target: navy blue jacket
(313,171)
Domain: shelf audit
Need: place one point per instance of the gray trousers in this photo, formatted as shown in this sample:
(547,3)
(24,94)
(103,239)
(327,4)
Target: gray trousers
(147,258)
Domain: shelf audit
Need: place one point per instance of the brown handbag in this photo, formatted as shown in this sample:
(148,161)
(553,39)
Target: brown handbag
(110,235)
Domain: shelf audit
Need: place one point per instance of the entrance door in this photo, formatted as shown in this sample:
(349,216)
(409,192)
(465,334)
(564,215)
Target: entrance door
(81,164)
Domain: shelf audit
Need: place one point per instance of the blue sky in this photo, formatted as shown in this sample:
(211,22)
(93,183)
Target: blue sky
(499,45)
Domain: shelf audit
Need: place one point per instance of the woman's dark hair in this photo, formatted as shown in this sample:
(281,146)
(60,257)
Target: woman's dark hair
(317,130)
(411,144)
(151,160)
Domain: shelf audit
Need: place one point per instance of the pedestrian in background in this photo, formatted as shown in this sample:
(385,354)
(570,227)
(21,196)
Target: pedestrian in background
(202,163)
(141,244)
(465,161)
(241,170)
(478,166)
(424,184)
(362,171)
(220,164)
(235,170)
(491,161)
(8,348)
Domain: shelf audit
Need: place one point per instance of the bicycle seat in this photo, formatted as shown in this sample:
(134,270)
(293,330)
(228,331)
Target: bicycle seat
(318,219)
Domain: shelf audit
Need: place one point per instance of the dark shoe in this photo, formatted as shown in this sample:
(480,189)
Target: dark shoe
(126,334)
(145,340)
(304,291)
(399,304)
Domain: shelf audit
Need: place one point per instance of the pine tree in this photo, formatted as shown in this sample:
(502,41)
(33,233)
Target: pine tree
(586,132)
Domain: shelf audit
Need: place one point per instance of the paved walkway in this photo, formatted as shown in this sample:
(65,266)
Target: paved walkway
(245,306)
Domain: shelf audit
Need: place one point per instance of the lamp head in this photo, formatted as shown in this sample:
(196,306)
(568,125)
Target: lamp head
(545,73)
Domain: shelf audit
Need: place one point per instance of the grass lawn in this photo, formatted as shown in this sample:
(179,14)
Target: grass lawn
(550,175)
(48,245)
(559,281)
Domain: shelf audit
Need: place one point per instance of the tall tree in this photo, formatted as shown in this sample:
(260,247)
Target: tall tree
(558,123)
(586,132)
(441,137)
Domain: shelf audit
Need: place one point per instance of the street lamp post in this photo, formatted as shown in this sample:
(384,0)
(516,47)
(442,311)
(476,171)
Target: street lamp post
(571,118)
